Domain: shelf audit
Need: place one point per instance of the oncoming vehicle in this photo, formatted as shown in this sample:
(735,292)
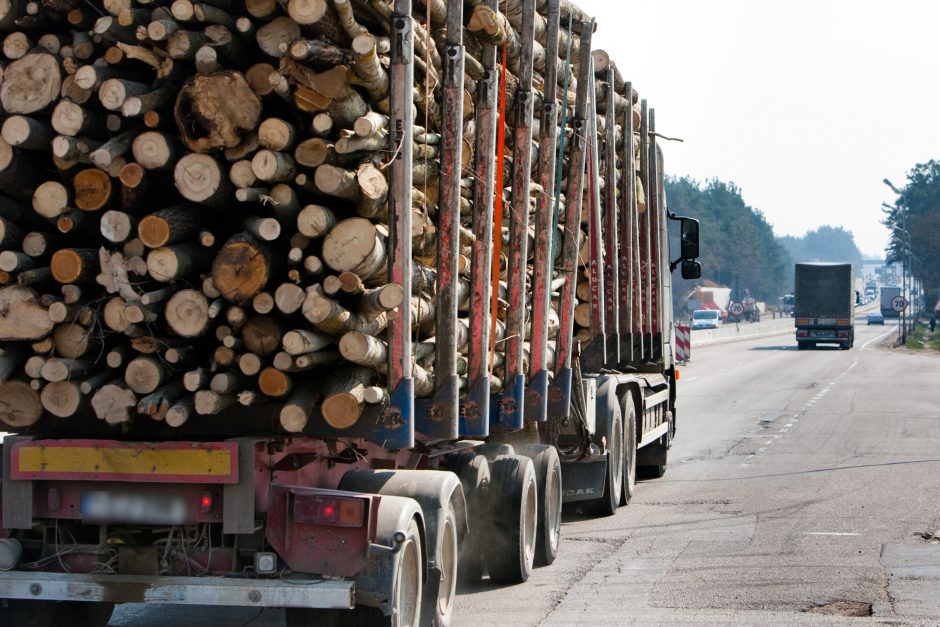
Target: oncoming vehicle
(876,318)
(706,319)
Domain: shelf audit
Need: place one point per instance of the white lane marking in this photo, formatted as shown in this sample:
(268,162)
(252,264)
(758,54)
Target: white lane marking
(789,424)
(784,430)
(762,449)
(889,331)
(829,533)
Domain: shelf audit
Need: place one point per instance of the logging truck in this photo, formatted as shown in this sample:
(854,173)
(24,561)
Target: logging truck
(319,304)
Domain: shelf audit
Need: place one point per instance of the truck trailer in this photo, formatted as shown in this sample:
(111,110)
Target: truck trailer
(824,310)
(329,361)
(888,294)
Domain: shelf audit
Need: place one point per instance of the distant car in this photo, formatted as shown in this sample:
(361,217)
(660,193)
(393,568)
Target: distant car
(706,319)
(876,318)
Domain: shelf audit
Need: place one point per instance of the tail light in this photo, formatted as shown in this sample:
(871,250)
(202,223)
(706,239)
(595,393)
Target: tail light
(802,333)
(330,511)
(843,333)
(205,502)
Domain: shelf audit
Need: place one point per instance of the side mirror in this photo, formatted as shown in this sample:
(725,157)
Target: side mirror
(691,269)
(689,238)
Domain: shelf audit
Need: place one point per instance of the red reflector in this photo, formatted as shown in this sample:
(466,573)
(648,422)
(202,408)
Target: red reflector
(205,502)
(332,511)
(802,333)
(843,333)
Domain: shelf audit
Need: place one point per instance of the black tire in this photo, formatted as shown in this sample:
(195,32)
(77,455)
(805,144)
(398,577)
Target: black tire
(439,611)
(510,550)
(474,473)
(607,504)
(548,479)
(629,448)
(802,346)
(405,597)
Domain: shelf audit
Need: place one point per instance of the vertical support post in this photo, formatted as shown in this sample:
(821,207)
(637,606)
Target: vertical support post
(536,407)
(656,216)
(559,406)
(513,397)
(475,411)
(627,251)
(397,421)
(612,227)
(595,229)
(646,285)
(438,417)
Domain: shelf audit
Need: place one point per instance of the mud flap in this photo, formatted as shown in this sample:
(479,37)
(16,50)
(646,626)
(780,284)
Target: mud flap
(583,481)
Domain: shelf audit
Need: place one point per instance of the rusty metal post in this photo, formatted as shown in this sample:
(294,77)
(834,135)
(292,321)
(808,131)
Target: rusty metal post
(645,224)
(536,407)
(560,392)
(612,227)
(474,412)
(438,417)
(627,250)
(397,422)
(512,401)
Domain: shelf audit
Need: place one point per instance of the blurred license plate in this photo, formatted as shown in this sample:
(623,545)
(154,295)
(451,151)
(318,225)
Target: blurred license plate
(149,509)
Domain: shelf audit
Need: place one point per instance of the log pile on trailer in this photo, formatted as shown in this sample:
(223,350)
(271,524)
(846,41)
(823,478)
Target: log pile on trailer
(197,204)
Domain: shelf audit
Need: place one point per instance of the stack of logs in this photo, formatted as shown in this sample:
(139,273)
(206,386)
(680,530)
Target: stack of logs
(193,203)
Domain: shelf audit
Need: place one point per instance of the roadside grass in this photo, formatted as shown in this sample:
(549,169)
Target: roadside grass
(923,339)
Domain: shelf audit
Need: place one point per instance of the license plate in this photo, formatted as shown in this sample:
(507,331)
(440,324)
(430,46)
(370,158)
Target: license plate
(822,334)
(126,507)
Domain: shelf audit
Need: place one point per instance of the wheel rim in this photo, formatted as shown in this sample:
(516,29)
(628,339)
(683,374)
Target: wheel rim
(409,584)
(530,509)
(448,567)
(553,512)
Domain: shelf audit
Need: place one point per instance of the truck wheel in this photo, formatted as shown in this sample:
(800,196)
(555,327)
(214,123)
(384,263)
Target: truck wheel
(629,449)
(548,479)
(441,609)
(801,346)
(474,473)
(510,551)
(607,505)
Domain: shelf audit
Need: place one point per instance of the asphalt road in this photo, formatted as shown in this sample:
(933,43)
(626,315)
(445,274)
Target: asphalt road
(797,480)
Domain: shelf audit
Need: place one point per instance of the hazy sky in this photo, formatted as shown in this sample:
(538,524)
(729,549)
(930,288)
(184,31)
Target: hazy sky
(806,106)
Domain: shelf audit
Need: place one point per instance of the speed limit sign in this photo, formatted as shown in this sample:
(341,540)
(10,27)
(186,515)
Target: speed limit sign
(736,309)
(898,303)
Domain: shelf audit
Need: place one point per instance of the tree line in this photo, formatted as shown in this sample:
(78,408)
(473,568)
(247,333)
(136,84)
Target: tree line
(738,245)
(914,223)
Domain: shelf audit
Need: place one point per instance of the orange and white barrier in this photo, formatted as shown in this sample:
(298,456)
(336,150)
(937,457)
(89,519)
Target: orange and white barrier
(683,343)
